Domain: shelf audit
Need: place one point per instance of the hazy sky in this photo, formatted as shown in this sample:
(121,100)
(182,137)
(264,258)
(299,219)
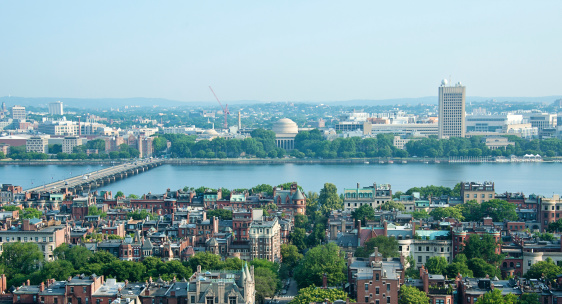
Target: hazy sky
(279,50)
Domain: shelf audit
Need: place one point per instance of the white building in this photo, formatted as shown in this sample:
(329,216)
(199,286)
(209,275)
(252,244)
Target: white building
(451,110)
(39,144)
(285,132)
(18,112)
(69,142)
(56,108)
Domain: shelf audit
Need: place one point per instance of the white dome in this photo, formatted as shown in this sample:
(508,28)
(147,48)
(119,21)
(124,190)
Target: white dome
(444,82)
(285,126)
(210,132)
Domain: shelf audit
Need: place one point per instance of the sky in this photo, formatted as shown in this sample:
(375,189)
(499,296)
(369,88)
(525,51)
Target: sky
(278,50)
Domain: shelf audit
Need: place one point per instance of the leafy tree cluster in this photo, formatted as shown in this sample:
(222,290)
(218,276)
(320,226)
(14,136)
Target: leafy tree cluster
(223,214)
(25,261)
(93,210)
(498,210)
(475,147)
(547,269)
(314,294)
(313,144)
(261,144)
(496,297)
(392,205)
(140,215)
(433,191)
(555,226)
(30,213)
(364,213)
(412,295)
(328,259)
(387,246)
(452,212)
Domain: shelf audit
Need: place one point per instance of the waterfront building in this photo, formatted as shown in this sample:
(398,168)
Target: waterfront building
(479,192)
(550,210)
(495,123)
(373,196)
(494,143)
(451,110)
(56,108)
(285,132)
(18,112)
(69,142)
(39,144)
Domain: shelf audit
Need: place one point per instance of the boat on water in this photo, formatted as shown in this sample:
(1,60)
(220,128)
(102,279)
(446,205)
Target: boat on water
(391,162)
(437,162)
(404,161)
(381,161)
(366,163)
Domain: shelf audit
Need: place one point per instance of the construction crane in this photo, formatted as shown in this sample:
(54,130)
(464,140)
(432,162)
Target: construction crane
(224,110)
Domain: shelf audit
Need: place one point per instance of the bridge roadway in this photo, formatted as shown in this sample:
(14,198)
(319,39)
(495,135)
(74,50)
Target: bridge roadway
(99,178)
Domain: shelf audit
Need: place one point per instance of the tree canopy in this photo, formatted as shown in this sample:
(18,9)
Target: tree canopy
(387,246)
(314,294)
(329,199)
(317,261)
(412,295)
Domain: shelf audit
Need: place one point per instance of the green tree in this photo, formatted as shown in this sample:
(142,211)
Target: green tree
(317,261)
(547,268)
(436,265)
(22,258)
(480,268)
(329,199)
(301,221)
(207,260)
(529,298)
(499,210)
(387,246)
(420,215)
(495,297)
(77,255)
(30,213)
(412,295)
(364,213)
(174,268)
(223,214)
(58,270)
(471,211)
(392,205)
(263,188)
(316,295)
(125,270)
(102,257)
(10,208)
(290,254)
(119,194)
(298,237)
(140,215)
(93,210)
(441,213)
(482,246)
(267,283)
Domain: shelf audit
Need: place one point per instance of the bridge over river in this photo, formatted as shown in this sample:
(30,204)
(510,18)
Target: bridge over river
(99,178)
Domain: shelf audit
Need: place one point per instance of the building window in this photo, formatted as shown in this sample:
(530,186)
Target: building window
(71,289)
(366,287)
(387,299)
(232,300)
(376,276)
(419,259)
(377,291)
(84,289)
(366,299)
(388,287)
(210,300)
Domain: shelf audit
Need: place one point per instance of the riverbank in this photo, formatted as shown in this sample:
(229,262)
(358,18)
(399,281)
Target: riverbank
(265,161)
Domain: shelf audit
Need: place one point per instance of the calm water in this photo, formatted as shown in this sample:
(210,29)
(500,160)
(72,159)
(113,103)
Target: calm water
(539,178)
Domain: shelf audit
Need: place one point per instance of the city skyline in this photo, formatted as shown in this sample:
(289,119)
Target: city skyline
(316,51)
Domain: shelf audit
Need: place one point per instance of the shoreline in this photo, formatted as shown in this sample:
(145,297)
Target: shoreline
(266,161)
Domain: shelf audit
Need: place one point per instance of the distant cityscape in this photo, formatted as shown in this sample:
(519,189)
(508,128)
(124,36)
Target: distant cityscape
(69,241)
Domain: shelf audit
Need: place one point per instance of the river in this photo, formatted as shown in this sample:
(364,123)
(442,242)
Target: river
(538,178)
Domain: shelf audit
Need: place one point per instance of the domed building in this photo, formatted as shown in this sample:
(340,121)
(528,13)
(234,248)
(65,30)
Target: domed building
(285,131)
(209,134)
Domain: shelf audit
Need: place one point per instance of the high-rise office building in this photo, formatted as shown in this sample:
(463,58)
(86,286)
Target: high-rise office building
(451,110)
(55,108)
(18,112)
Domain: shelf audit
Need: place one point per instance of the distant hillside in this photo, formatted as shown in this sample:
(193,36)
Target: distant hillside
(106,103)
(93,103)
(434,100)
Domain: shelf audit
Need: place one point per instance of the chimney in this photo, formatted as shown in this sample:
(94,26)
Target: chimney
(359,233)
(28,282)
(41,287)
(325,281)
(198,269)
